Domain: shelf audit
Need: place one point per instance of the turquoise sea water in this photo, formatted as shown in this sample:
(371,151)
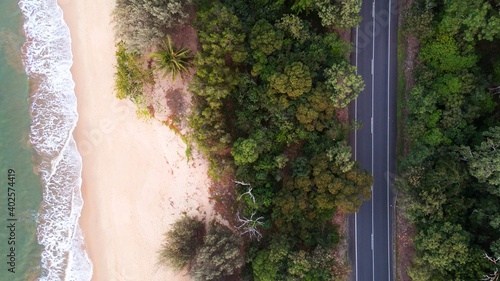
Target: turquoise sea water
(16,153)
(40,238)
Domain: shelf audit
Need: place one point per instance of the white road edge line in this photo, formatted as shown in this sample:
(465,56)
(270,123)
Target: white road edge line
(388,145)
(355,159)
(373,89)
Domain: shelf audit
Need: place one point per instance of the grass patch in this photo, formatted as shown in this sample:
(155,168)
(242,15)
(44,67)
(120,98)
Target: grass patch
(171,125)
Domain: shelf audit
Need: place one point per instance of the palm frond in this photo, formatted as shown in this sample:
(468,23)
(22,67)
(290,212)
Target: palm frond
(171,59)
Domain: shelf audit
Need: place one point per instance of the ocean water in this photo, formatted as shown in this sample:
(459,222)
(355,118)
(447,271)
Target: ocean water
(37,151)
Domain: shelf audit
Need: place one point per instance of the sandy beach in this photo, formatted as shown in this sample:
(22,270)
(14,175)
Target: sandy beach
(136,178)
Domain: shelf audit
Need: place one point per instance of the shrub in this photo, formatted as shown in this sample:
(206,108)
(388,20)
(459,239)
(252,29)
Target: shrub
(171,59)
(182,243)
(142,23)
(220,256)
(129,76)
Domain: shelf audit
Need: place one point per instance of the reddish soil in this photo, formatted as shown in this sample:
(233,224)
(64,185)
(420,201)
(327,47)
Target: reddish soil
(223,197)
(345,35)
(341,267)
(404,245)
(343,115)
(185,35)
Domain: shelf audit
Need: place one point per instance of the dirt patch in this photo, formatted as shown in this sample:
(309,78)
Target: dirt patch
(404,245)
(411,45)
(343,115)
(340,219)
(341,267)
(345,35)
(405,231)
(185,35)
(168,98)
(411,60)
(223,198)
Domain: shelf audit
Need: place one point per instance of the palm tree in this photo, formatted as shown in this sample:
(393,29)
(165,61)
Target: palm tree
(171,59)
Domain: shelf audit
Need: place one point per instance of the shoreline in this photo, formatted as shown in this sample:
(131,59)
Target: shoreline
(136,180)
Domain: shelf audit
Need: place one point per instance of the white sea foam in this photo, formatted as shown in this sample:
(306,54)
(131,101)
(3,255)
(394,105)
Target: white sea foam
(47,60)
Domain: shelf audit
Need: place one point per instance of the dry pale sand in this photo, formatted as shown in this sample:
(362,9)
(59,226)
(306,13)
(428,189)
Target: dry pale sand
(136,178)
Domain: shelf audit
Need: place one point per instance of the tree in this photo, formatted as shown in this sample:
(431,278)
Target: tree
(339,184)
(265,38)
(142,23)
(316,265)
(343,14)
(443,54)
(249,225)
(495,275)
(345,84)
(295,81)
(476,20)
(220,255)
(341,154)
(245,151)
(221,35)
(444,252)
(484,160)
(270,262)
(418,20)
(318,112)
(301,5)
(293,25)
(438,193)
(182,243)
(172,60)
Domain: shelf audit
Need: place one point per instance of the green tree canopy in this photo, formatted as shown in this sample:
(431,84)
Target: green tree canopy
(293,25)
(245,151)
(220,255)
(445,254)
(141,24)
(344,83)
(182,242)
(319,110)
(343,14)
(295,81)
(484,160)
(265,38)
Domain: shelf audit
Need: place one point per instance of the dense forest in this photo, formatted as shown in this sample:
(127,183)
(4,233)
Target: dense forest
(270,90)
(450,178)
(271,80)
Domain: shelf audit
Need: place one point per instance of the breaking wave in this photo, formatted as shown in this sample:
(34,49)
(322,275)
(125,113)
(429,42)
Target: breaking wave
(47,61)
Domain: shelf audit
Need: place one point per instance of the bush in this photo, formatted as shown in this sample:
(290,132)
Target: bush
(171,59)
(129,76)
(220,256)
(182,243)
(142,23)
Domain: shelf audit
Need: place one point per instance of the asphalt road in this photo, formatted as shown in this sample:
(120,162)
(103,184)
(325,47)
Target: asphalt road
(374,145)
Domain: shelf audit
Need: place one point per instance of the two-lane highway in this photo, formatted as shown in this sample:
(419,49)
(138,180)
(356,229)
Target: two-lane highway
(374,145)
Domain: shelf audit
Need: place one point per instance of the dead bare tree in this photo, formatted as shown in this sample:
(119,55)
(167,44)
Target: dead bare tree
(249,225)
(494,276)
(495,90)
(249,191)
